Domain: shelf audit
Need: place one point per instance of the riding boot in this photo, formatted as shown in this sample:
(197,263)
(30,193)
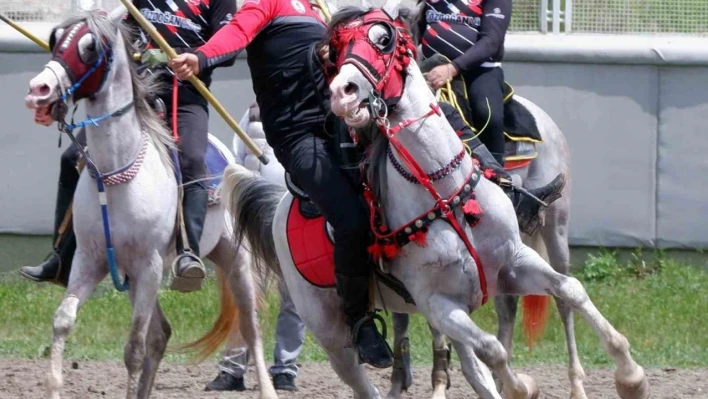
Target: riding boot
(369,343)
(530,212)
(190,271)
(57,265)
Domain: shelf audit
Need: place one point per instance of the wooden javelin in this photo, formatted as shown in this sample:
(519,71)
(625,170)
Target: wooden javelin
(325,10)
(150,29)
(41,43)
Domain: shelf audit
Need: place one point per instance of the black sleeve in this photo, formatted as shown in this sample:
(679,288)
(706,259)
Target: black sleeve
(491,35)
(220,14)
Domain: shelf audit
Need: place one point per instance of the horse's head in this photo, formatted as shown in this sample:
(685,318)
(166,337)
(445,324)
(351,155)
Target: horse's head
(371,50)
(82,54)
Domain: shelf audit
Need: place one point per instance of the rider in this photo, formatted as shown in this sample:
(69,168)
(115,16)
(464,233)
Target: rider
(471,33)
(184,25)
(280,36)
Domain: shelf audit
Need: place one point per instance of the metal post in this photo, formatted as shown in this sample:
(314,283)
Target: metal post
(556,16)
(543,16)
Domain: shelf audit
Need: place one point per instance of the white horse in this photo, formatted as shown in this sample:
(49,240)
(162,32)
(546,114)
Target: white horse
(552,156)
(450,265)
(92,61)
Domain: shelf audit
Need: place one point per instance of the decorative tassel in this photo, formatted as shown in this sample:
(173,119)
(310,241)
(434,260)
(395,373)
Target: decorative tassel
(472,208)
(473,212)
(490,174)
(375,251)
(390,251)
(420,238)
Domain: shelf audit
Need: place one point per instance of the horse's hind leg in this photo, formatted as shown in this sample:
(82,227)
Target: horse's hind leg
(451,319)
(531,275)
(555,238)
(158,335)
(143,298)
(235,263)
(440,376)
(82,282)
(401,376)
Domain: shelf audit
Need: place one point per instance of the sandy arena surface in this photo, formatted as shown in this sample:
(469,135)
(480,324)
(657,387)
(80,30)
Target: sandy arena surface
(25,379)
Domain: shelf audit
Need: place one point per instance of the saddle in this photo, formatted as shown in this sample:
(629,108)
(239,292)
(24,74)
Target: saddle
(520,129)
(311,237)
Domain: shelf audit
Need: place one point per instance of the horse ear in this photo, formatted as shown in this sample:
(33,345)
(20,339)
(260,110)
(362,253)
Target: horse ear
(391,8)
(117,14)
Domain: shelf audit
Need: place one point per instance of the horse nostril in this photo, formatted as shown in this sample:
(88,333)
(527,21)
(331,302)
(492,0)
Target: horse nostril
(42,90)
(350,88)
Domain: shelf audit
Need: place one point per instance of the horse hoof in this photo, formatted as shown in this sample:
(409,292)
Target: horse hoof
(578,395)
(633,385)
(531,386)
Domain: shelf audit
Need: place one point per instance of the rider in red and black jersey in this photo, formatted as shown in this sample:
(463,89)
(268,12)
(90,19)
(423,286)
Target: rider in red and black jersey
(471,33)
(280,36)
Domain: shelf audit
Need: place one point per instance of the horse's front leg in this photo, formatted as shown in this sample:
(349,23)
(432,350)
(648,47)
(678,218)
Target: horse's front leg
(143,297)
(401,376)
(84,277)
(531,275)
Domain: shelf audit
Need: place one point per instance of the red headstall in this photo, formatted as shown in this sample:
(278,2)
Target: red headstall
(383,63)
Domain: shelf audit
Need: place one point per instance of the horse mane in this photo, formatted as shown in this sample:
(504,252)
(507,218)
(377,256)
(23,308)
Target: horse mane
(143,85)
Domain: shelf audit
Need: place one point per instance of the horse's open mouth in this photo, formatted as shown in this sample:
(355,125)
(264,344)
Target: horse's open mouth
(43,114)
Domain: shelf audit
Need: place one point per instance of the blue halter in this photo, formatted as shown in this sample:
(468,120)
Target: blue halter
(98,176)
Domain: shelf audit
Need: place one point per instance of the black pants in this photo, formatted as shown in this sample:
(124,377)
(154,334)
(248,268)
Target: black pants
(483,84)
(313,166)
(193,129)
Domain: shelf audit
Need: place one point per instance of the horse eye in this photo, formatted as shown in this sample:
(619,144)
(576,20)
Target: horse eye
(87,48)
(380,35)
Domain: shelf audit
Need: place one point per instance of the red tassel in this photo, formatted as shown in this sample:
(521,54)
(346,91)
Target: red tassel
(375,251)
(420,238)
(390,251)
(489,173)
(473,212)
(472,208)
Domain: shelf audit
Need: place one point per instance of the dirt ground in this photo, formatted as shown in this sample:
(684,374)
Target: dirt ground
(25,379)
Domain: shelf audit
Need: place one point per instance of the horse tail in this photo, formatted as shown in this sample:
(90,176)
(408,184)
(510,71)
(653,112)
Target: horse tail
(252,202)
(535,316)
(228,317)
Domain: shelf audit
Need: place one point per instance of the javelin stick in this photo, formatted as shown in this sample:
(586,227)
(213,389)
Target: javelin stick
(150,29)
(41,43)
(325,10)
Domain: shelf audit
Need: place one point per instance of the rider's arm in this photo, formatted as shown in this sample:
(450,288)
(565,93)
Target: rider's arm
(220,14)
(491,35)
(253,16)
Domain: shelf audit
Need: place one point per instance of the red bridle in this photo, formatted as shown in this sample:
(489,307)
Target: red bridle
(383,64)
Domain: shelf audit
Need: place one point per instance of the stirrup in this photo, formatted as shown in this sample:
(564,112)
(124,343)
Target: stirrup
(516,184)
(369,317)
(186,283)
